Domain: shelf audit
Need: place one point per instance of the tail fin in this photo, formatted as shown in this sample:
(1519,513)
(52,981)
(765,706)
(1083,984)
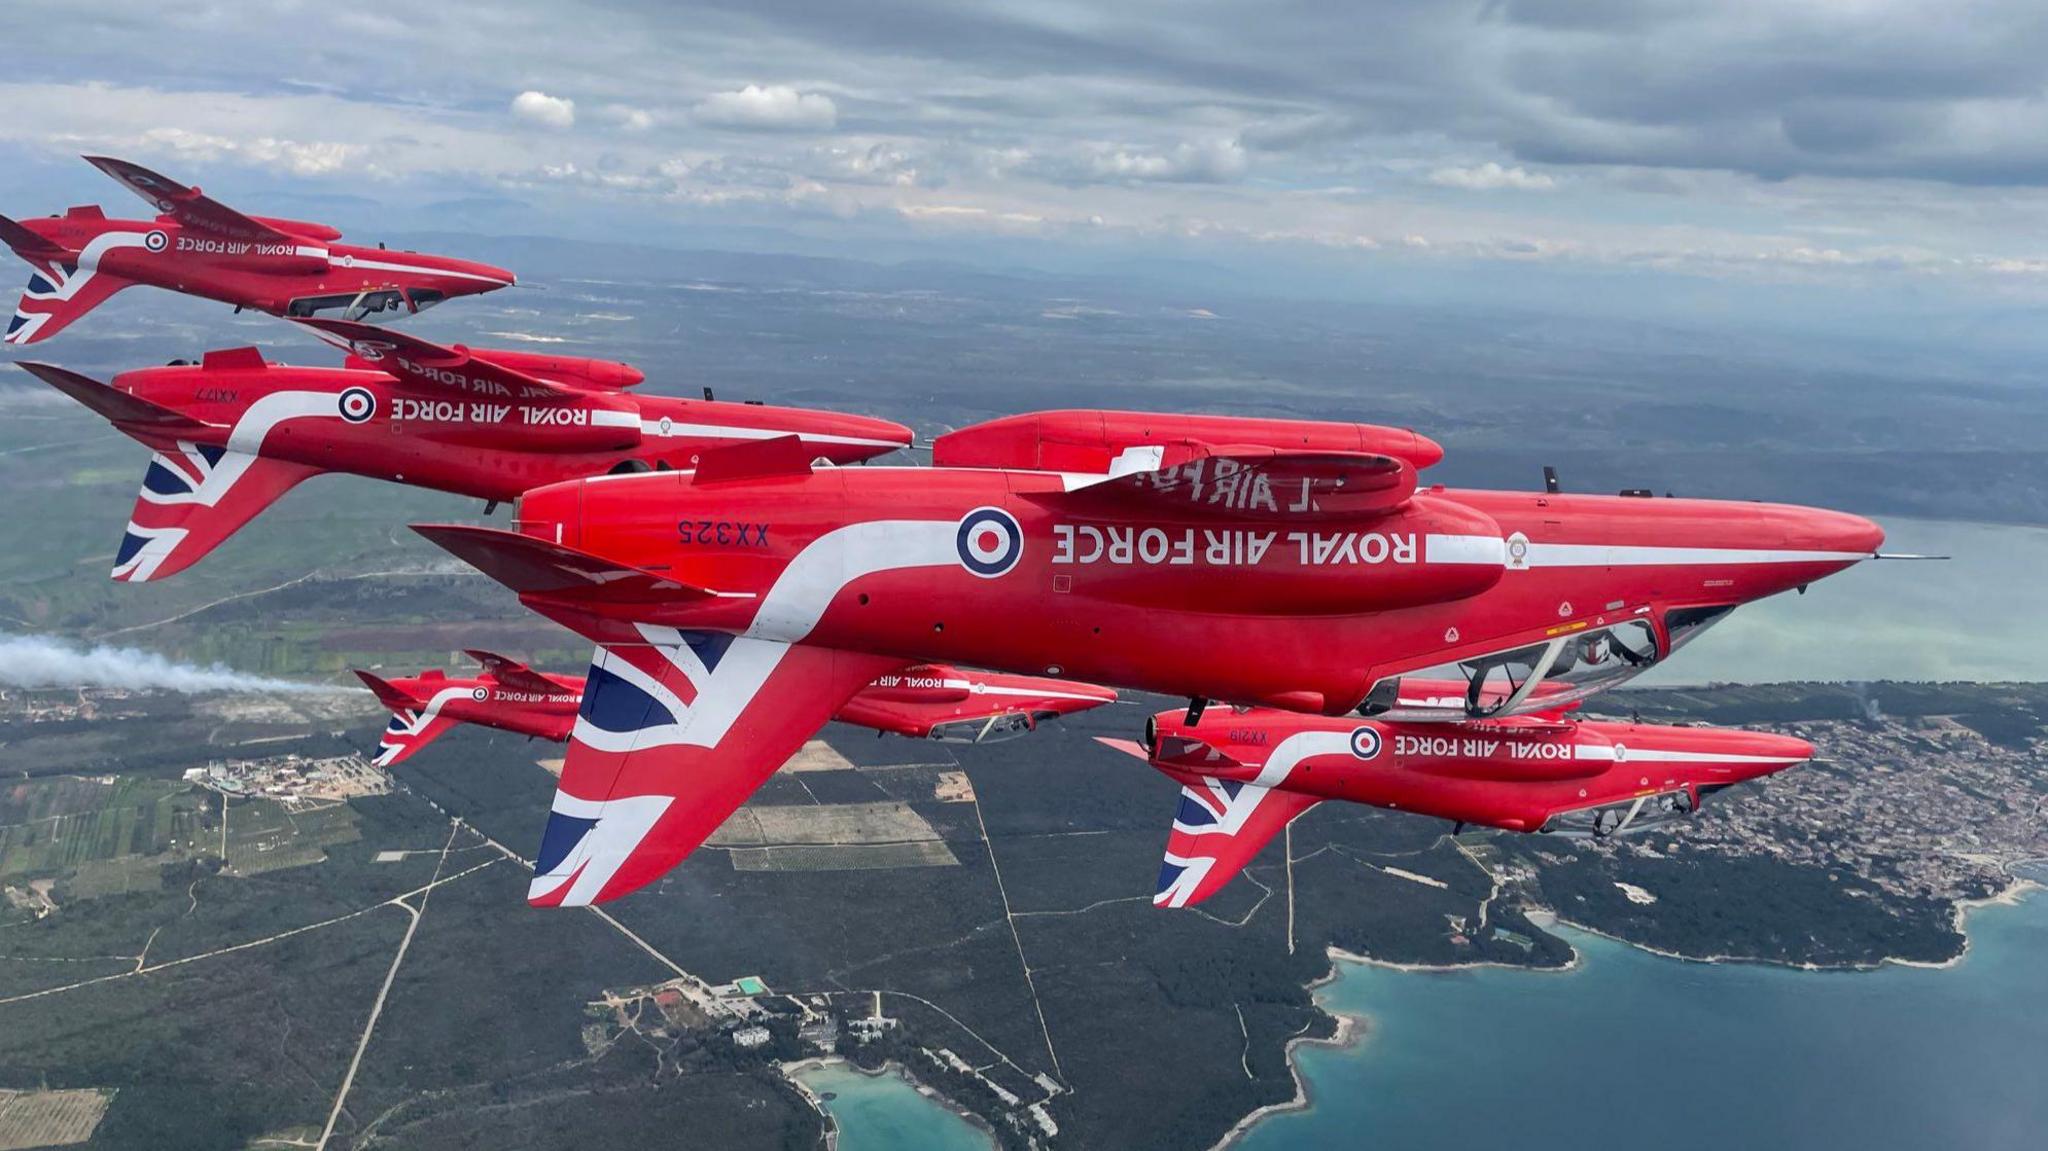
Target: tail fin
(675,732)
(1221,826)
(414,723)
(193,497)
(59,291)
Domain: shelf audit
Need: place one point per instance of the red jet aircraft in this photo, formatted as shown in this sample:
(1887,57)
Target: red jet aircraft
(1289,564)
(201,247)
(1245,776)
(233,433)
(934,702)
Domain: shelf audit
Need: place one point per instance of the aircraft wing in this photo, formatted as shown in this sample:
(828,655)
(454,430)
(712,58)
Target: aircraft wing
(673,735)
(435,367)
(193,497)
(513,674)
(188,206)
(1220,826)
(1252,482)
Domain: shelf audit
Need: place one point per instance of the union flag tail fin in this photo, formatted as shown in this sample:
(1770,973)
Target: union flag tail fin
(674,734)
(194,496)
(1220,826)
(59,291)
(415,722)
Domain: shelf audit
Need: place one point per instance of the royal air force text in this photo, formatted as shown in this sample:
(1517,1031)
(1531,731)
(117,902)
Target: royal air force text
(234,247)
(470,412)
(1468,747)
(1083,544)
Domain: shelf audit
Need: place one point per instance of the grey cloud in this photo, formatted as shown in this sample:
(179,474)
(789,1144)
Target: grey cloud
(1888,88)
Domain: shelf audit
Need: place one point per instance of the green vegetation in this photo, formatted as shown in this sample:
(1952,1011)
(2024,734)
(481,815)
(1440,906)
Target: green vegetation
(101,835)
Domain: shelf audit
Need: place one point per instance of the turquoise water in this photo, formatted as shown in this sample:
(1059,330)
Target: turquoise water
(1648,1051)
(1885,620)
(885,1113)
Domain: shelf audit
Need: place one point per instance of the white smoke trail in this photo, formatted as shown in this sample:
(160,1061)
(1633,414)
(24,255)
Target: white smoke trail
(45,661)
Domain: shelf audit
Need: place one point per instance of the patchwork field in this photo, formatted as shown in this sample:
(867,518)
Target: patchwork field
(110,834)
(50,1118)
(831,837)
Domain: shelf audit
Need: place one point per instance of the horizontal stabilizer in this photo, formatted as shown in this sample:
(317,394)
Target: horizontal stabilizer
(28,245)
(113,404)
(512,674)
(1189,754)
(535,567)
(434,367)
(387,693)
(753,460)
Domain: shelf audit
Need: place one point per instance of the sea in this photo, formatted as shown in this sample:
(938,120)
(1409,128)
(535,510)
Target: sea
(1631,1048)
(1975,615)
(1638,1049)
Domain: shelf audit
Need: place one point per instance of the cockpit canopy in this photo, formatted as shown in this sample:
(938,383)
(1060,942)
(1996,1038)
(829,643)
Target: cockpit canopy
(1551,673)
(366,306)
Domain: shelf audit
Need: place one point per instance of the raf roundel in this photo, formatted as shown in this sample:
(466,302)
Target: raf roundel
(990,543)
(156,241)
(480,694)
(1365,742)
(358,405)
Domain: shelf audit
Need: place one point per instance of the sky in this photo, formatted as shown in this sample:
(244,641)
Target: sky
(1887,153)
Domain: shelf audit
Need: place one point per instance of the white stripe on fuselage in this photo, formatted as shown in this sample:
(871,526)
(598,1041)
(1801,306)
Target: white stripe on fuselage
(1606,555)
(678,430)
(387,266)
(1604,753)
(1279,765)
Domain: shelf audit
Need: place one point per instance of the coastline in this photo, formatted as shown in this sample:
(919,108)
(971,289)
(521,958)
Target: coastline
(1351,1031)
(2017,888)
(1351,1028)
(791,1070)
(789,1073)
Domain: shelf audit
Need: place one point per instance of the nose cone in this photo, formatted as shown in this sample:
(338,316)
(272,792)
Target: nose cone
(1819,530)
(1422,451)
(1763,753)
(487,271)
(1740,755)
(842,438)
(1066,697)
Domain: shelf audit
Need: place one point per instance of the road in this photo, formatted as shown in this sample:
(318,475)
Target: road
(384,992)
